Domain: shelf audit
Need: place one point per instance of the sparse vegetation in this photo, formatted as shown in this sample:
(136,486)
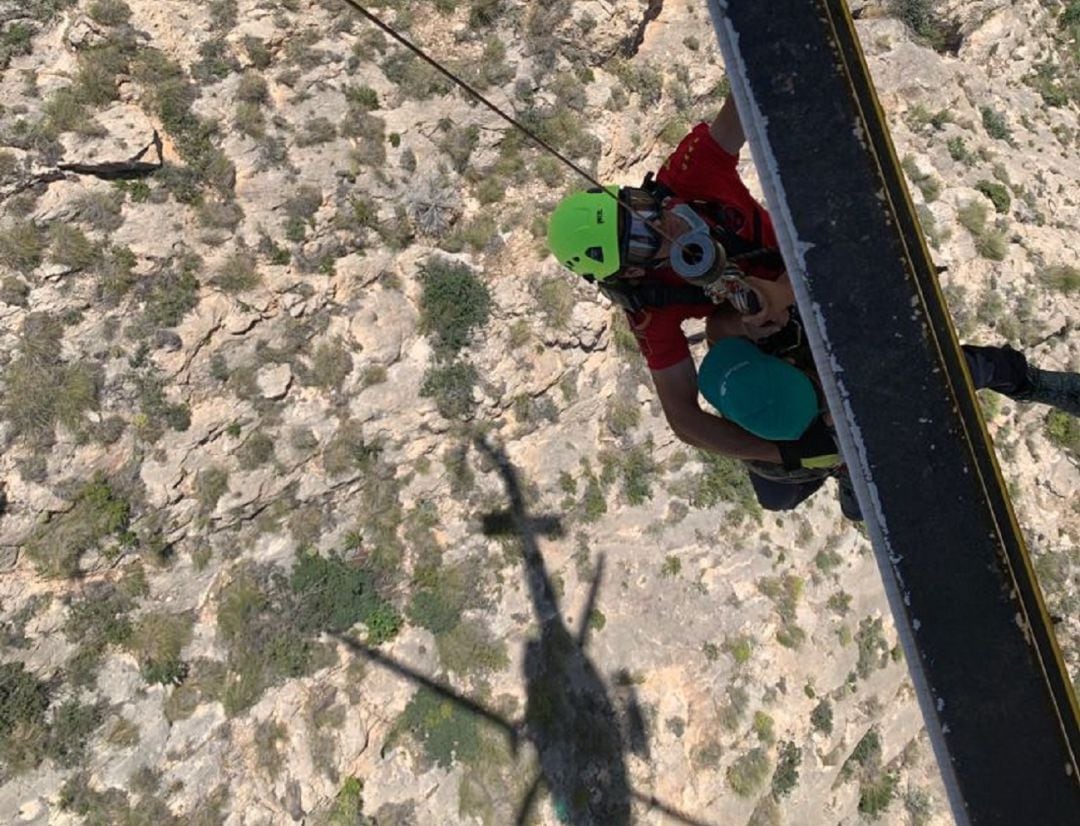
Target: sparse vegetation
(749,772)
(445,731)
(821,718)
(1063,430)
(270,621)
(922,18)
(451,386)
(21,246)
(94,623)
(997,193)
(98,514)
(156,641)
(786,776)
(42,390)
(995,124)
(239,272)
(454,304)
(1063,278)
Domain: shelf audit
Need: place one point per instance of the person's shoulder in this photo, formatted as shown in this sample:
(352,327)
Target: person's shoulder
(696,151)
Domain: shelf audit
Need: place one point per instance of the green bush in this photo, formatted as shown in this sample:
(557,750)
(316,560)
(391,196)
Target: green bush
(1063,278)
(332,595)
(69,732)
(263,646)
(315,131)
(958,151)
(972,216)
(786,776)
(172,293)
(1063,430)
(256,451)
(156,642)
(110,12)
(211,483)
(865,758)
(440,597)
(471,648)
(821,718)
(997,193)
(458,142)
(873,649)
(348,451)
(451,386)
(252,88)
(348,807)
(739,648)
(21,246)
(749,772)
(723,479)
(921,17)
(330,365)
(928,185)
(415,79)
(555,298)
(992,244)
(875,796)
(155,411)
(71,249)
(446,731)
(41,390)
(101,210)
(23,729)
(15,41)
(98,513)
(637,469)
(216,61)
(994,123)
(238,273)
(363,98)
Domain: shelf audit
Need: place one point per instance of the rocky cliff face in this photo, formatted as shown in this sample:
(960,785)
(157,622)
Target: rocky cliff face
(270,393)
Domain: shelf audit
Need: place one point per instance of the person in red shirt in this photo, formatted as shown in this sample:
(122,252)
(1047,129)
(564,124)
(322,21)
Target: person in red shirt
(702,169)
(651,249)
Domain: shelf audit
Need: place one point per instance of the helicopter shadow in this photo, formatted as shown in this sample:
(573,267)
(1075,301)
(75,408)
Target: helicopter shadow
(580,736)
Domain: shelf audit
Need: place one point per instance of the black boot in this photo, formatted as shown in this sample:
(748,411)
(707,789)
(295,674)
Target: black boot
(849,505)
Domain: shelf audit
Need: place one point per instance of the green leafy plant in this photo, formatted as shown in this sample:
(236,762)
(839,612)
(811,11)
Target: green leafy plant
(97,514)
(451,386)
(446,732)
(786,776)
(995,124)
(997,193)
(454,304)
(749,772)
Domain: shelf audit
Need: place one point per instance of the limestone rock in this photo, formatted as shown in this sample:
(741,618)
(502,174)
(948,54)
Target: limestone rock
(274,381)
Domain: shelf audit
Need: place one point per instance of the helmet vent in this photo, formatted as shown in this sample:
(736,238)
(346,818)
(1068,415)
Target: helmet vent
(595,253)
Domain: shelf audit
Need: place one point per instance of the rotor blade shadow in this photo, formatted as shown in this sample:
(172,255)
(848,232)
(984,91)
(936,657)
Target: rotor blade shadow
(671,812)
(508,728)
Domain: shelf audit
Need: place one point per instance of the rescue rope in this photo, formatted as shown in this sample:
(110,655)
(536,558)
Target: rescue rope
(508,118)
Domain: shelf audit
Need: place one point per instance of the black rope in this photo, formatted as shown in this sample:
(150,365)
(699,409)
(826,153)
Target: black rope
(509,119)
(451,76)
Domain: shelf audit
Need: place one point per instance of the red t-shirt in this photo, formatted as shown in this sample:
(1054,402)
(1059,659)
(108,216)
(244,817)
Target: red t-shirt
(699,169)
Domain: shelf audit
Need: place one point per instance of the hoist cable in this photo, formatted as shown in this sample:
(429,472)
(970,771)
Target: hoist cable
(416,50)
(451,76)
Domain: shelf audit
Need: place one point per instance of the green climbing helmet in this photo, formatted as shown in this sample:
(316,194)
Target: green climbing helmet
(583,232)
(761,393)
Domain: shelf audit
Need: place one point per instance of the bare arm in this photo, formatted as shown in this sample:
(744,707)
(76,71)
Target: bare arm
(727,129)
(676,387)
